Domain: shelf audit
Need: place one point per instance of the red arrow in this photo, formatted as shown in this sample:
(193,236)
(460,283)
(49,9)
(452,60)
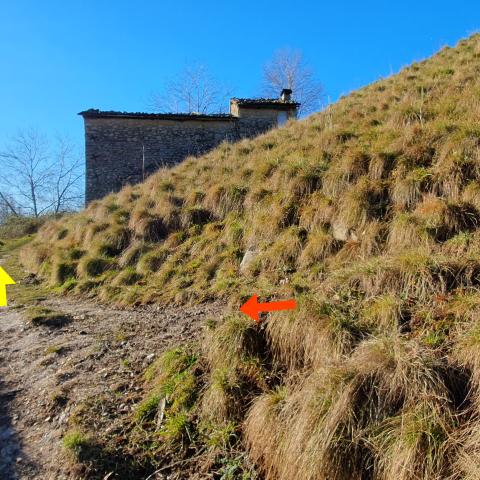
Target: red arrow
(252,308)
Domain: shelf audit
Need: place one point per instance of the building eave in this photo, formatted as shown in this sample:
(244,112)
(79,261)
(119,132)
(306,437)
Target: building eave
(95,113)
(270,103)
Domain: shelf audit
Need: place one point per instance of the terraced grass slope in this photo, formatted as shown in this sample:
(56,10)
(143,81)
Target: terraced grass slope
(368,213)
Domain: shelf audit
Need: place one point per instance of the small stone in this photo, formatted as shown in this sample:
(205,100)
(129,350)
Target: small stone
(340,231)
(149,358)
(247,259)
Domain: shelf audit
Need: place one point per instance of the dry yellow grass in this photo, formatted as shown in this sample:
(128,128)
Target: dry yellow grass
(368,213)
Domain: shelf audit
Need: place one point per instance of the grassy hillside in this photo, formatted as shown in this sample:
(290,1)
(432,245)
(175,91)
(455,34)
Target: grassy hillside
(368,213)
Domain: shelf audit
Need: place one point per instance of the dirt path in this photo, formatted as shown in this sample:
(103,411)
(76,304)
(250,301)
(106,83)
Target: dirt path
(45,372)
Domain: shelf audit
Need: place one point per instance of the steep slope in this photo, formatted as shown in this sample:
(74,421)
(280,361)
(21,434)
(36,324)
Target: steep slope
(368,213)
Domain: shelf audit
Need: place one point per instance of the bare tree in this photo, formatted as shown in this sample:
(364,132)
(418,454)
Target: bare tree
(36,179)
(26,172)
(67,173)
(288,69)
(8,207)
(194,90)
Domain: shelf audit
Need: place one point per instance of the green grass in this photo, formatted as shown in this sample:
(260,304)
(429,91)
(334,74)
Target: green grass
(94,266)
(75,441)
(8,246)
(22,293)
(147,409)
(55,349)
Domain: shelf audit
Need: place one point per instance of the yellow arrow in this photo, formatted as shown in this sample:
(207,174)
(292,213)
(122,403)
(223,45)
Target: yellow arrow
(5,279)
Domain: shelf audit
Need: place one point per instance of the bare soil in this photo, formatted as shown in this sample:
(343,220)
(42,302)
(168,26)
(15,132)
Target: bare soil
(45,373)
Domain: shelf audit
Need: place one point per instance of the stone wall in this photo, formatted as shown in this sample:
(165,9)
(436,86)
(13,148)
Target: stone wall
(115,146)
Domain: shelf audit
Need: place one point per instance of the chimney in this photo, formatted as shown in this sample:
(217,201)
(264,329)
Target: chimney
(286,95)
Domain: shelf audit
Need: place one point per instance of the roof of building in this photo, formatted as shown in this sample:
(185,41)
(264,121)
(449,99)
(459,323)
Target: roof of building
(275,103)
(264,102)
(95,113)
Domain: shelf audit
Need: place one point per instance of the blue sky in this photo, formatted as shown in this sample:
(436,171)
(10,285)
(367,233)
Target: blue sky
(60,57)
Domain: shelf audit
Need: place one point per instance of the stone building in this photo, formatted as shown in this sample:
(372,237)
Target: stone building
(123,147)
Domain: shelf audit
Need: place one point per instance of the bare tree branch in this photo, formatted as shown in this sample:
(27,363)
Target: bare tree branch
(194,90)
(27,171)
(9,204)
(39,178)
(67,176)
(288,69)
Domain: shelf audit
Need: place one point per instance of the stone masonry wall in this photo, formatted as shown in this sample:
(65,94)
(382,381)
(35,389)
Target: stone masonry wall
(113,146)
